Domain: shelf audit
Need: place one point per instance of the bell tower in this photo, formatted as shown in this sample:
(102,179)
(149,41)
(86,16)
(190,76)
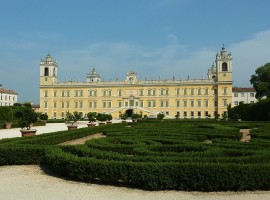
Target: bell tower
(224,66)
(48,71)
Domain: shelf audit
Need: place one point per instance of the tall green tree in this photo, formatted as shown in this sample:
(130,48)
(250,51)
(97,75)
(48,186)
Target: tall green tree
(261,81)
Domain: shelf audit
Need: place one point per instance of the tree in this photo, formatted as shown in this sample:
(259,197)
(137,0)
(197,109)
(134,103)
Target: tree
(261,81)
(73,117)
(160,116)
(92,116)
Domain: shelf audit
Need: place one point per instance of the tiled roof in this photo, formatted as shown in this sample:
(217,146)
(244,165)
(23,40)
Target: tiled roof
(238,89)
(5,91)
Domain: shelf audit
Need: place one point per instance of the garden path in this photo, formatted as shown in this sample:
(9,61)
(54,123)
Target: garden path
(83,139)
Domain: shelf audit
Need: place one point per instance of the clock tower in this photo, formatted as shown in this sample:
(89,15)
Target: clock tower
(131,77)
(48,71)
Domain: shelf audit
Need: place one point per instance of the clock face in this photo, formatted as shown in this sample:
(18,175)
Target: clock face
(131,79)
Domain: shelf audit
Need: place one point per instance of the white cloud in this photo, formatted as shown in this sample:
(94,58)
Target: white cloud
(249,55)
(114,60)
(172,37)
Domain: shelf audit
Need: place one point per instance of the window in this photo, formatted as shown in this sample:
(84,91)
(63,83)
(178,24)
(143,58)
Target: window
(178,103)
(199,113)
(192,91)
(242,94)
(235,94)
(81,93)
(199,91)
(149,104)
(119,93)
(95,104)
(62,93)
(62,104)
(54,93)
(141,104)
(224,67)
(54,115)
(149,92)
(81,104)
(76,104)
(110,93)
(161,92)
(154,92)
(192,113)
(236,103)
(45,104)
(199,103)
(206,113)
(224,90)
(185,113)
(141,92)
(104,93)
(63,115)
(177,91)
(109,104)
(67,103)
(167,92)
(45,94)
(206,91)
(206,103)
(185,91)
(90,104)
(251,101)
(192,103)
(126,104)
(46,71)
(167,104)
(224,102)
(68,93)
(215,103)
(154,103)
(161,104)
(104,104)
(119,104)
(251,94)
(185,103)
(215,91)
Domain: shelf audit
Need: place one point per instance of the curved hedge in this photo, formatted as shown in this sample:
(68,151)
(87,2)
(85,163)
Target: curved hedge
(171,155)
(178,155)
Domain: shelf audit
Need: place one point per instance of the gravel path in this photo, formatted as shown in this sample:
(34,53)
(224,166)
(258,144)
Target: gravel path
(30,183)
(83,140)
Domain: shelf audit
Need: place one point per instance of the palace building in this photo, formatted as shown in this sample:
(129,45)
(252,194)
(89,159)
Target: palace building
(7,97)
(191,98)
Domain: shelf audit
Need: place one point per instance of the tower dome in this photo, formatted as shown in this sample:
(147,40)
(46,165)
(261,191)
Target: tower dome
(93,76)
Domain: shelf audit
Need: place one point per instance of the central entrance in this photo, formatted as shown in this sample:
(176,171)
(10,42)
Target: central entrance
(129,112)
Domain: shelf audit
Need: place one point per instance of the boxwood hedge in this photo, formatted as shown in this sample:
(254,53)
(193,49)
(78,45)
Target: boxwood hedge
(179,155)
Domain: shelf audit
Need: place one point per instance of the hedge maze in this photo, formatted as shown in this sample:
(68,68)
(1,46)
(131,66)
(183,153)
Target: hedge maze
(153,155)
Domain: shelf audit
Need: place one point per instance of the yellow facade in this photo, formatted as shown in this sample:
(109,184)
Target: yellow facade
(196,98)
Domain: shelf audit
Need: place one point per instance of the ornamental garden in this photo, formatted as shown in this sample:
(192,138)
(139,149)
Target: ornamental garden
(190,155)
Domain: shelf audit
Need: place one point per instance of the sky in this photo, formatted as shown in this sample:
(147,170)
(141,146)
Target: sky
(154,38)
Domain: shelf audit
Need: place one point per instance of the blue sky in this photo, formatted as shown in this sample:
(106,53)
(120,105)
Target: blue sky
(155,38)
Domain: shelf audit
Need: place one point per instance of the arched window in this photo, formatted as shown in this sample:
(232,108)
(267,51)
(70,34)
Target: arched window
(224,67)
(46,71)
